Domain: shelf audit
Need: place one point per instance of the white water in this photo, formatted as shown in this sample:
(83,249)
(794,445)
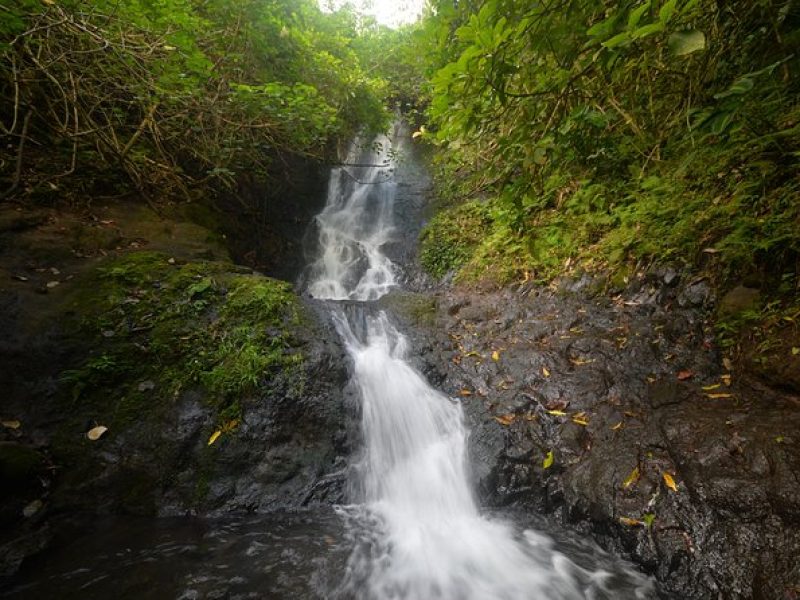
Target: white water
(419,532)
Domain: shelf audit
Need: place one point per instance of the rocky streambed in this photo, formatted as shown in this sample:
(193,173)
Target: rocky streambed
(614,414)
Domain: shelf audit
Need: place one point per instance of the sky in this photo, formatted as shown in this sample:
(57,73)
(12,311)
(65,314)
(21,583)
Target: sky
(388,12)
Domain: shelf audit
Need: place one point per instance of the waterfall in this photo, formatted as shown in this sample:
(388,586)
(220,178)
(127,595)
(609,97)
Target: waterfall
(418,530)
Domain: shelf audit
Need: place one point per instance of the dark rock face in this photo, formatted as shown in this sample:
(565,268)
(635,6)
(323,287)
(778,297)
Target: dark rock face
(629,396)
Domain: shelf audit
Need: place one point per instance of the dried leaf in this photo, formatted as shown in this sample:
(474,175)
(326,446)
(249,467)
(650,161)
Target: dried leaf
(684,375)
(720,395)
(95,433)
(581,361)
(795,350)
(669,481)
(545,372)
(617,426)
(632,478)
(495,356)
(229,426)
(630,522)
(32,508)
(11,424)
(713,386)
(214,437)
(548,460)
(505,419)
(726,379)
(580,419)
(465,392)
(557,413)
(726,362)
(52,284)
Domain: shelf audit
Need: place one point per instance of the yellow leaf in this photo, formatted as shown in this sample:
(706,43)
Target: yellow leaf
(713,386)
(11,424)
(580,361)
(495,356)
(557,413)
(548,460)
(545,372)
(617,426)
(630,522)
(632,478)
(465,392)
(669,481)
(579,420)
(795,350)
(505,419)
(95,433)
(720,395)
(214,437)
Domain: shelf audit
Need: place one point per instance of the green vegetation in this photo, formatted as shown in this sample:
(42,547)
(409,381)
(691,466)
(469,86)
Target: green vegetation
(173,99)
(159,328)
(597,135)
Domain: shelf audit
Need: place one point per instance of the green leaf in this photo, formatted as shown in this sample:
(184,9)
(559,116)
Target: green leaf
(618,40)
(739,87)
(666,11)
(683,43)
(636,15)
(548,460)
(646,30)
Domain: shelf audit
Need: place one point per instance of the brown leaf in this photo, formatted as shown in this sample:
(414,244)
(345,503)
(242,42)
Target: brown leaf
(95,433)
(506,420)
(465,392)
(11,424)
(632,478)
(684,375)
(617,426)
(630,522)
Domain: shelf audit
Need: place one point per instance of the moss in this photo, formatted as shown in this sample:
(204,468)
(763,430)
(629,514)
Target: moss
(157,328)
(449,240)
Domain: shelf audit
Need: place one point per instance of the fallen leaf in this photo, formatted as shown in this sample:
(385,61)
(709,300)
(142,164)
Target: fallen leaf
(632,478)
(20,277)
(495,356)
(630,522)
(726,379)
(465,392)
(684,375)
(617,426)
(795,350)
(580,419)
(11,424)
(669,481)
(726,362)
(557,413)
(229,426)
(710,250)
(713,386)
(720,395)
(95,433)
(581,361)
(545,372)
(651,380)
(214,437)
(32,508)
(548,460)
(52,284)
(505,419)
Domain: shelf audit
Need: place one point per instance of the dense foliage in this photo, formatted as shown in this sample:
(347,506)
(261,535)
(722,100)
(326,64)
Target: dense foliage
(609,133)
(170,95)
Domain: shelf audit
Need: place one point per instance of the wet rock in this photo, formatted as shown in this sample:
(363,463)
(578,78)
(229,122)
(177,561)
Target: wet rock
(597,383)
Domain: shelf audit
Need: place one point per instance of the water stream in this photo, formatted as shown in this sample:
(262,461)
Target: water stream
(413,529)
(417,529)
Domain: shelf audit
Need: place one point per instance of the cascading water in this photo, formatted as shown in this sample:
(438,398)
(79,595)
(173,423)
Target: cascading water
(418,532)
